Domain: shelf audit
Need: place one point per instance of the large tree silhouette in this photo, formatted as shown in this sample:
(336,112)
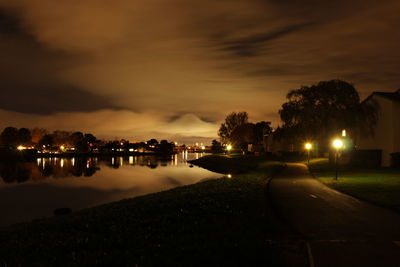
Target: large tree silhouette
(320,111)
(232,121)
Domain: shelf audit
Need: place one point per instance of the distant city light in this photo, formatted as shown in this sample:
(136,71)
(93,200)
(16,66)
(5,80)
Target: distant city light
(344,133)
(21,148)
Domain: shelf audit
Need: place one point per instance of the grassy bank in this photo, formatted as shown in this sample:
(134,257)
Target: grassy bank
(232,164)
(219,222)
(380,186)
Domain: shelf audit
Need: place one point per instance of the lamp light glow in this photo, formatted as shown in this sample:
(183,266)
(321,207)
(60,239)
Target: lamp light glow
(308,146)
(229,147)
(337,143)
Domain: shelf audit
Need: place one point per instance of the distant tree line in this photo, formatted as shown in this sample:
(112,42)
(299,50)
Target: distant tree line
(14,137)
(80,142)
(239,132)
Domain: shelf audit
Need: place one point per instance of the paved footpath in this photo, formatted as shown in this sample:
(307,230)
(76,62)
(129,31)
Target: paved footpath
(339,229)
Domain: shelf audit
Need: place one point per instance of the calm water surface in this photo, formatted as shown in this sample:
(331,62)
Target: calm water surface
(30,190)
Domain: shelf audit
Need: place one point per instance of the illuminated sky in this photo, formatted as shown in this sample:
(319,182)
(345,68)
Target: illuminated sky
(174,68)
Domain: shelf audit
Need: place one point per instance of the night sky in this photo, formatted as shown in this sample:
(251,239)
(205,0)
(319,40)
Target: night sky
(174,68)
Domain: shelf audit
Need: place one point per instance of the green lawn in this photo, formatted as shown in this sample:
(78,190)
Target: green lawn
(220,222)
(380,186)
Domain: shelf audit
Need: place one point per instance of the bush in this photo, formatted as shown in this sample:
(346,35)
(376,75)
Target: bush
(366,158)
(395,159)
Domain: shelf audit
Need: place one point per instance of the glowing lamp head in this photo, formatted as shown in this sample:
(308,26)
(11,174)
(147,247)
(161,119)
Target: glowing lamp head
(308,146)
(229,147)
(337,143)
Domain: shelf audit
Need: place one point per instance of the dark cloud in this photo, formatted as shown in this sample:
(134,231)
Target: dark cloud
(45,100)
(9,25)
(254,45)
(29,82)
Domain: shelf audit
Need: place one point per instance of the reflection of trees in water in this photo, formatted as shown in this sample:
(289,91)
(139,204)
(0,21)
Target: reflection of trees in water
(17,171)
(148,161)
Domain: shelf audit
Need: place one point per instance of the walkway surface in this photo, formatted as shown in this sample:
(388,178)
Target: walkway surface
(339,229)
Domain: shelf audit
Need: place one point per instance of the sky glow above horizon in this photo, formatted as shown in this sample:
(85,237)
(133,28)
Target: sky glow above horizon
(174,69)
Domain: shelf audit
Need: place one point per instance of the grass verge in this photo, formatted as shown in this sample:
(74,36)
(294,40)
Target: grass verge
(219,222)
(380,186)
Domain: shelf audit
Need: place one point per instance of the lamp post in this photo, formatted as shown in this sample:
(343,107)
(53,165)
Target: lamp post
(337,144)
(308,147)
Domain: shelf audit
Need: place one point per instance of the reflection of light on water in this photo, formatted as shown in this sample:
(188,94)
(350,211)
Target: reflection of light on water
(184,155)
(197,155)
(87,164)
(44,163)
(38,161)
(130,160)
(176,160)
(62,163)
(121,161)
(112,161)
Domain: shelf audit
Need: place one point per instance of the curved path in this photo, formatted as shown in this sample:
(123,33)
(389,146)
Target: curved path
(339,229)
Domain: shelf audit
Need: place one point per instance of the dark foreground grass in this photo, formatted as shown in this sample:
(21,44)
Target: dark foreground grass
(221,222)
(380,186)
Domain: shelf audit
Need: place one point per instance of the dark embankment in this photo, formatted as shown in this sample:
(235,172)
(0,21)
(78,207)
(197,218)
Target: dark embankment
(227,164)
(220,222)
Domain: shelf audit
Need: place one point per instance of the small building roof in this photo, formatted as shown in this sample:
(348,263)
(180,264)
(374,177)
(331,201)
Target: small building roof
(394,96)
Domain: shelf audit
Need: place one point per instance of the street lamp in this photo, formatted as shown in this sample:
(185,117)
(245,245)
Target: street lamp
(308,147)
(337,144)
(229,148)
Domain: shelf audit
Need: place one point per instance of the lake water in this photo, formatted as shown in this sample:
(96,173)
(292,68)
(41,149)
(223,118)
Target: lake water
(30,190)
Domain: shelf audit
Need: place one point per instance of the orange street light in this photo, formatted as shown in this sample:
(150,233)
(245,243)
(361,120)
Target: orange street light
(229,147)
(308,147)
(337,144)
